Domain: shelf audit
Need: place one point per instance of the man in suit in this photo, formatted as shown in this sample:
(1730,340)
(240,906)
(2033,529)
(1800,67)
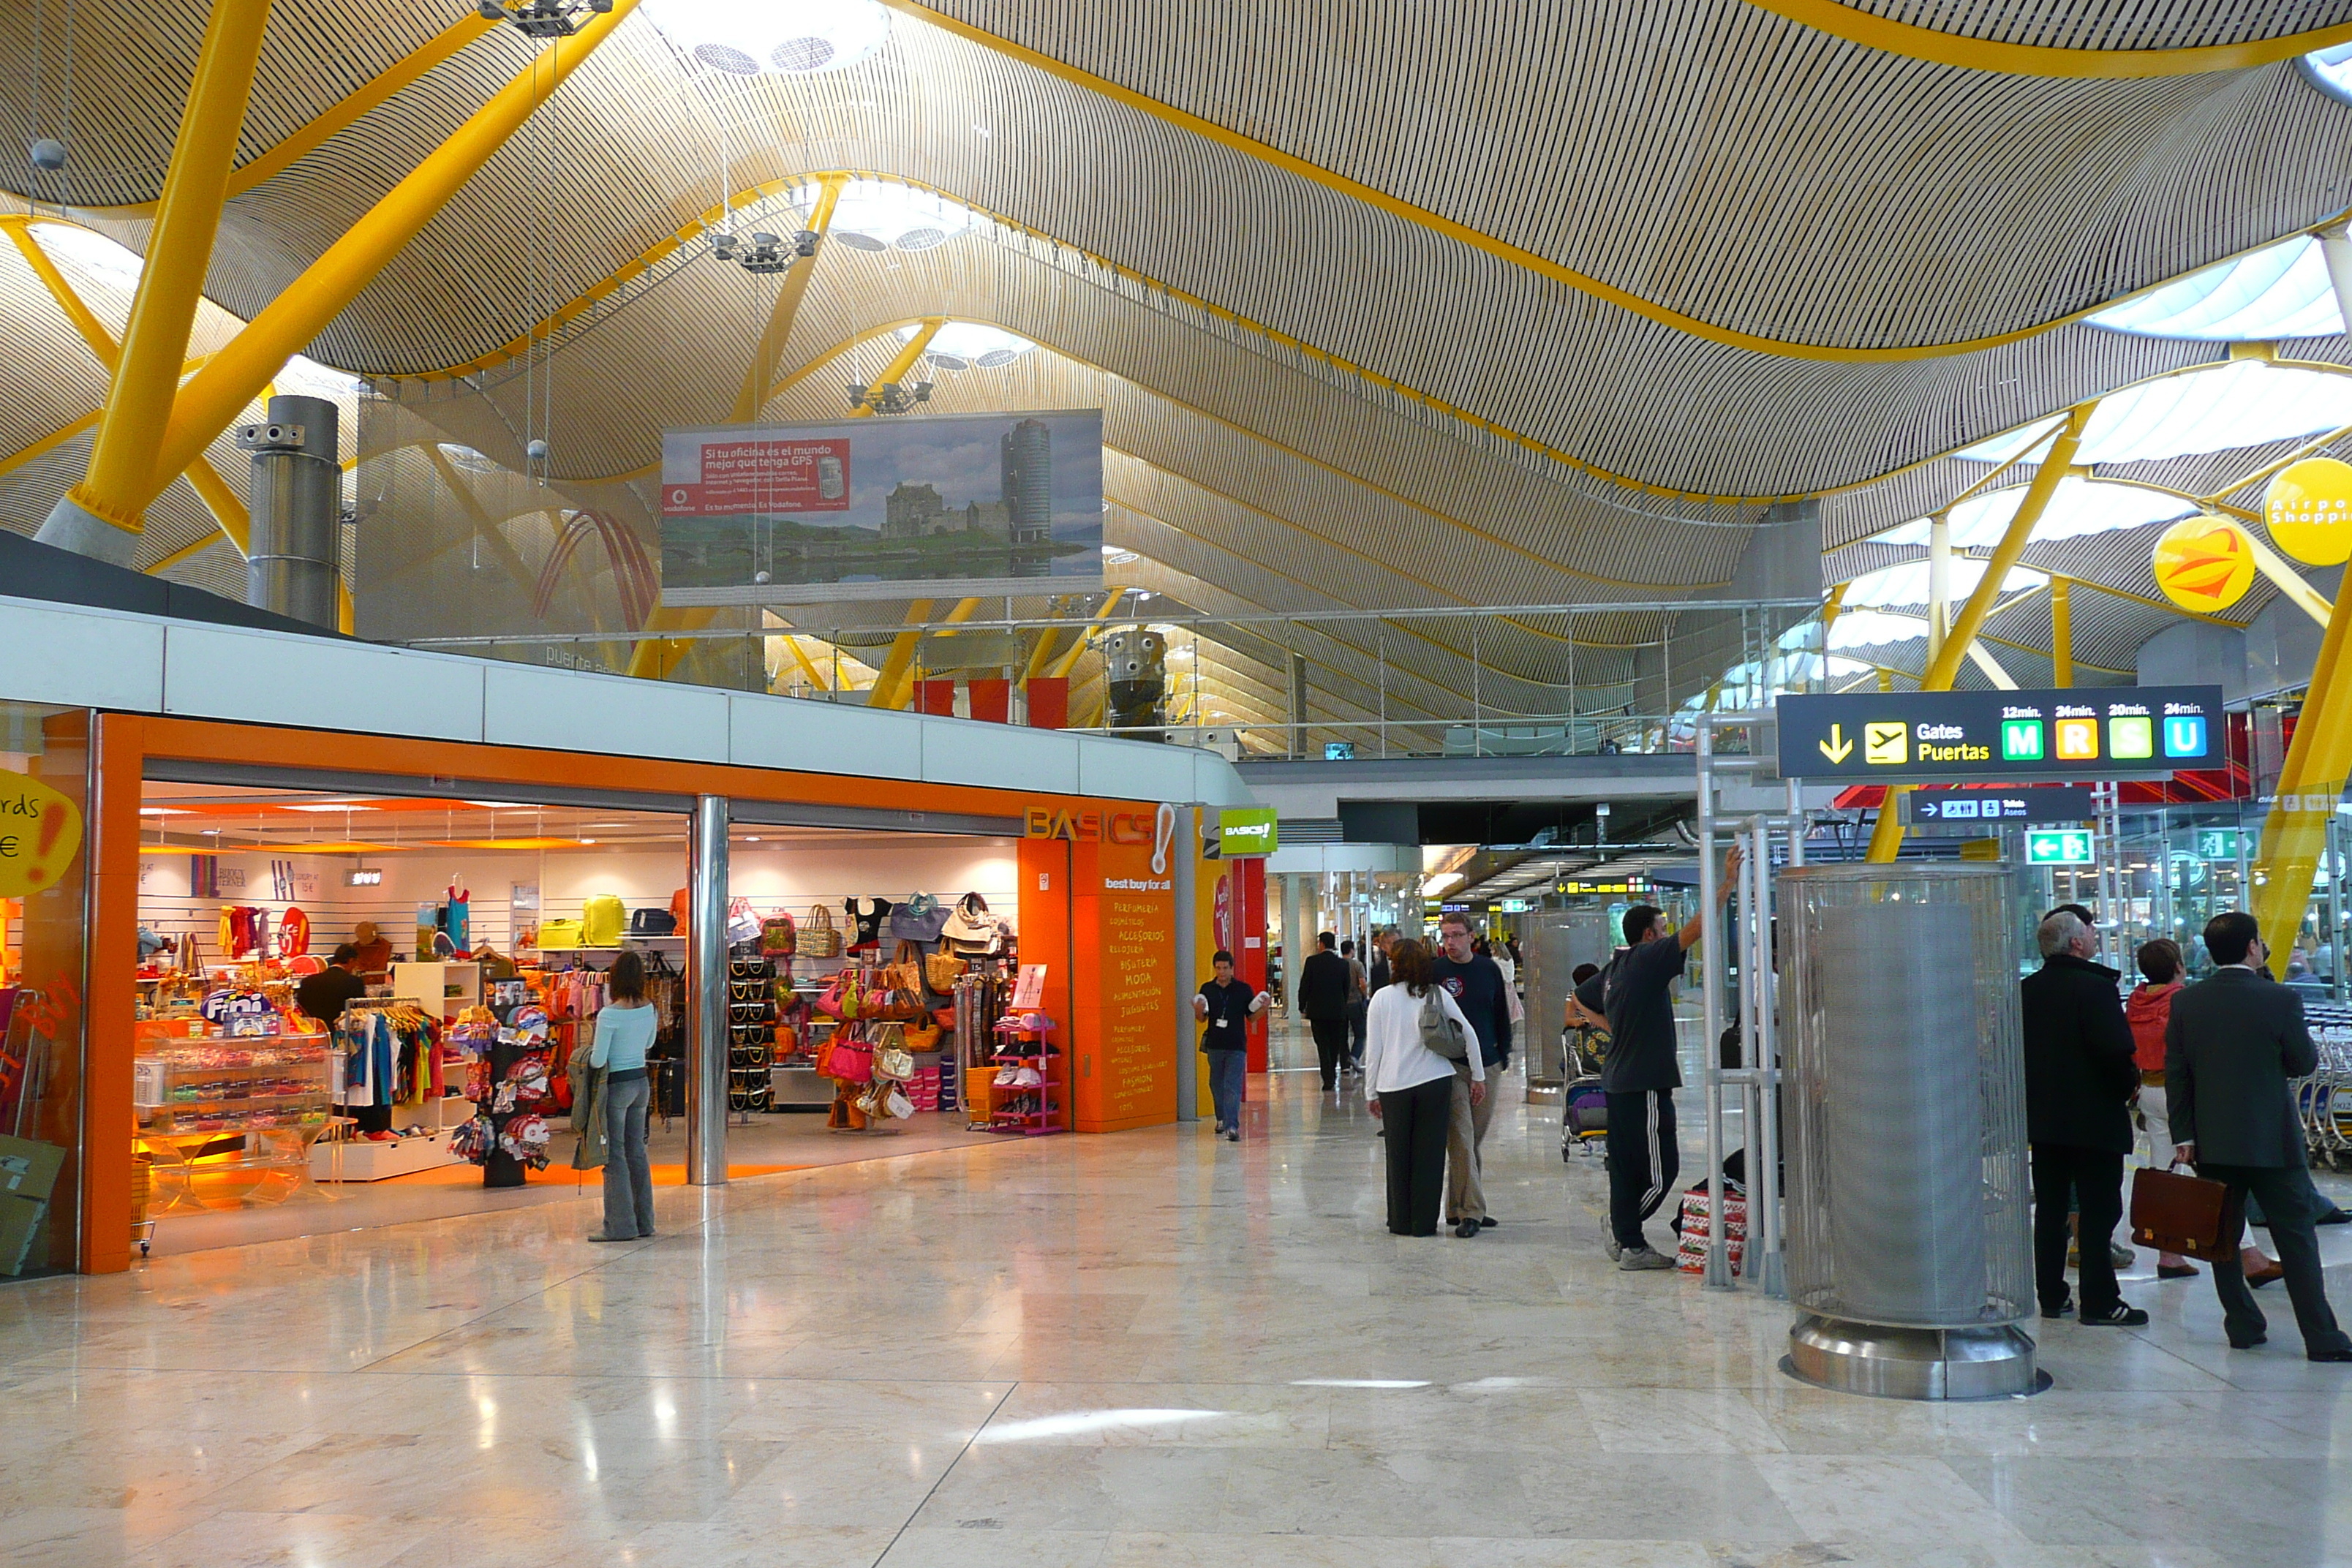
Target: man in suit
(1326,980)
(2080,1075)
(2234,1044)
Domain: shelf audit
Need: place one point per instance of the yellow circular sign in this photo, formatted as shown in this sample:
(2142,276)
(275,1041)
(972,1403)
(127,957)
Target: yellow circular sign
(39,831)
(2204,565)
(2309,510)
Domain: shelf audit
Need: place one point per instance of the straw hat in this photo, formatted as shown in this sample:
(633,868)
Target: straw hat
(363,933)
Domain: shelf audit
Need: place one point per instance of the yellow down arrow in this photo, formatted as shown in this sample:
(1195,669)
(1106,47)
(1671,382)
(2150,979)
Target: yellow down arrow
(1837,748)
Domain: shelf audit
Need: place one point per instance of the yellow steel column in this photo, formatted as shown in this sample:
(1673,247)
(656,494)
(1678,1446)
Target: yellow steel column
(2311,781)
(100,515)
(207,405)
(1940,582)
(761,374)
(2062,632)
(1069,661)
(901,656)
(1886,839)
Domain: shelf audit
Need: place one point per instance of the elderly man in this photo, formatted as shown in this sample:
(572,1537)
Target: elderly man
(2079,1077)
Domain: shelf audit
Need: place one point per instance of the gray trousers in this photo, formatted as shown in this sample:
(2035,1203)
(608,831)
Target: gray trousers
(628,1176)
(1465,1133)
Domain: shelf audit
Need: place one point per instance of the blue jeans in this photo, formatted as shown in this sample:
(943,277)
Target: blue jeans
(628,1177)
(1228,1070)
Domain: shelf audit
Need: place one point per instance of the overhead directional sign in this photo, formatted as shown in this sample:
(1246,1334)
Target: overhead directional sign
(2059,847)
(1964,737)
(1976,807)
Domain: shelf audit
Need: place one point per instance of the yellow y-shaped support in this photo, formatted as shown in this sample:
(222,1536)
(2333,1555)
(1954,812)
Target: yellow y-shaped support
(304,307)
(2311,781)
(1069,661)
(101,515)
(1886,839)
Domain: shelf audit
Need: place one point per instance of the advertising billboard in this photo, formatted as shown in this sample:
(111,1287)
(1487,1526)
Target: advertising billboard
(888,508)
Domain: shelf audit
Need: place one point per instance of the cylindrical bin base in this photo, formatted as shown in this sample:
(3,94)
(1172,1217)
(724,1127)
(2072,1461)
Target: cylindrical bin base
(1991,1363)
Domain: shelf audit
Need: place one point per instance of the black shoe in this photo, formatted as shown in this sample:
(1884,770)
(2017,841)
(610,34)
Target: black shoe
(2333,1217)
(2248,1344)
(1466,1228)
(2329,1355)
(1233,1134)
(2118,1315)
(2063,1309)
(1486,1224)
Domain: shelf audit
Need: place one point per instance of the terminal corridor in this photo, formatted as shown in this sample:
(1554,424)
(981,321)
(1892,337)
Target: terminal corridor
(1155,1349)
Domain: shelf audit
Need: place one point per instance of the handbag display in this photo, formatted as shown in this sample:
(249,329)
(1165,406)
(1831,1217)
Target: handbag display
(921,1036)
(558,936)
(743,923)
(820,938)
(847,1061)
(942,970)
(2176,1212)
(919,920)
(969,930)
(778,937)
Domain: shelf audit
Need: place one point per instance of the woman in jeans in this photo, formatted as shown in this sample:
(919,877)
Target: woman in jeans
(1410,1088)
(625,1029)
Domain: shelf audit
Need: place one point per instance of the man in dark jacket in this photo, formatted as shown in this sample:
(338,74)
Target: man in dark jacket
(1326,980)
(2079,1076)
(2234,1044)
(1476,981)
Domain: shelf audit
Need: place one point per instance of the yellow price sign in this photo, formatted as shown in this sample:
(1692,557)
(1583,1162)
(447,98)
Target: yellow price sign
(2204,565)
(2308,507)
(39,832)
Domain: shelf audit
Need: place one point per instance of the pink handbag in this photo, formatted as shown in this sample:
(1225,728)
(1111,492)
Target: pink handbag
(848,1061)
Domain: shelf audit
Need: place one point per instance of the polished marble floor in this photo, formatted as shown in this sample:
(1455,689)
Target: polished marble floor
(1149,1349)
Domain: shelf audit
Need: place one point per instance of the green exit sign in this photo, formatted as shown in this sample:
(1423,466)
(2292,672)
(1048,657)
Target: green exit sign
(2059,847)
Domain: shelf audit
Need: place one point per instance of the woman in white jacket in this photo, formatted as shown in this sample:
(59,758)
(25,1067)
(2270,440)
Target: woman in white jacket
(1410,1088)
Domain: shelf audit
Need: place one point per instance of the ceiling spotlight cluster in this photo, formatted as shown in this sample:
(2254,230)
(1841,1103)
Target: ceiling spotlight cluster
(889,397)
(545,18)
(763,253)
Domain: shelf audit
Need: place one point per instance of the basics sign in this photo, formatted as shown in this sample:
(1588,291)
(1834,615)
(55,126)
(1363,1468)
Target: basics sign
(1901,737)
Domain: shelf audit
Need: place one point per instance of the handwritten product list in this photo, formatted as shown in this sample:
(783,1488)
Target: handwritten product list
(1138,956)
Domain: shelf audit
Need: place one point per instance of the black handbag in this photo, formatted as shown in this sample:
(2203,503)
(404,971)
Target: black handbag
(652,921)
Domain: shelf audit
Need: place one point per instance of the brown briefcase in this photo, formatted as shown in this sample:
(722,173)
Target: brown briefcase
(2175,1212)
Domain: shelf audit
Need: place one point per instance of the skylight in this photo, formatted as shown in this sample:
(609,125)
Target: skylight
(1907,585)
(2330,71)
(782,38)
(962,345)
(2279,291)
(2244,402)
(2079,507)
(880,214)
(1877,628)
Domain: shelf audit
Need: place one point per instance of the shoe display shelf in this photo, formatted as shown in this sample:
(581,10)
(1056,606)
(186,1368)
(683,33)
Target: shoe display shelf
(1024,1097)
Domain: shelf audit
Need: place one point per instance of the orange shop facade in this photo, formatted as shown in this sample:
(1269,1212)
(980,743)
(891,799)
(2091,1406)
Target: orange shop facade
(1100,885)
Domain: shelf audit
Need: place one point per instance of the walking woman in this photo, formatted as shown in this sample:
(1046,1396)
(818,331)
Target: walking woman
(1410,1086)
(625,1030)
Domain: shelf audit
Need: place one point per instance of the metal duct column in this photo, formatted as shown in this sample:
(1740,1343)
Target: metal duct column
(297,502)
(1910,1251)
(706,992)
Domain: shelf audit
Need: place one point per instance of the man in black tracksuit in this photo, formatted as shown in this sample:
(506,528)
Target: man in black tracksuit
(1631,999)
(1325,982)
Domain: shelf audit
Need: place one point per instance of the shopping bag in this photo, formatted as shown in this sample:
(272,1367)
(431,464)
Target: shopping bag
(2175,1212)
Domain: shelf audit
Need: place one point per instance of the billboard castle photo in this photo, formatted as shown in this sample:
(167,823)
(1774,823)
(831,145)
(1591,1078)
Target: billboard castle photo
(974,503)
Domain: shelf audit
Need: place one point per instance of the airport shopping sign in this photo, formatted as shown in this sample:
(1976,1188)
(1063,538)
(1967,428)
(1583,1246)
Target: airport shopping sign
(1966,737)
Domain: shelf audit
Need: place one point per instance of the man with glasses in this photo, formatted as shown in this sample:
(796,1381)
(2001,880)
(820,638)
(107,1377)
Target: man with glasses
(1478,987)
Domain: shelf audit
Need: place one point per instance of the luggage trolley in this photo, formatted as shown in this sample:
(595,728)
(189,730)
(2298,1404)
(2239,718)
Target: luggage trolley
(1584,1108)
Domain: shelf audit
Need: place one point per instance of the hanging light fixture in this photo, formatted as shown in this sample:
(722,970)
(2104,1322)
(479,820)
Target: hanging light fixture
(545,18)
(763,253)
(889,397)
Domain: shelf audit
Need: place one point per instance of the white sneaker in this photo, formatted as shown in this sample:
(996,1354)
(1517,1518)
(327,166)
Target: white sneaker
(1030,1078)
(1634,1259)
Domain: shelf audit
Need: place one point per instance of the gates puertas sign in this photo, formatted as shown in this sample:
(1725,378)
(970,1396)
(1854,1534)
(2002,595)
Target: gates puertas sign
(1965,737)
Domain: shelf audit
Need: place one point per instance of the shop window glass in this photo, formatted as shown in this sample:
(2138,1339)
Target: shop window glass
(44,889)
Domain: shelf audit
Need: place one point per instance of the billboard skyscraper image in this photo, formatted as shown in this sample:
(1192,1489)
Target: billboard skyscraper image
(965,504)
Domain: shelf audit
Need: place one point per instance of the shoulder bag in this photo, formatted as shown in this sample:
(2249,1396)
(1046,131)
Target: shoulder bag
(1442,1034)
(779,938)
(942,970)
(969,930)
(820,937)
(919,920)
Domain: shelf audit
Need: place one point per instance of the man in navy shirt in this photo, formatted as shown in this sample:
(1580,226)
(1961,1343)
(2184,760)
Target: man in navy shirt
(1477,985)
(1224,1006)
(1631,999)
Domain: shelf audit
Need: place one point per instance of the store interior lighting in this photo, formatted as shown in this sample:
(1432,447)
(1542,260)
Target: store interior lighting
(774,37)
